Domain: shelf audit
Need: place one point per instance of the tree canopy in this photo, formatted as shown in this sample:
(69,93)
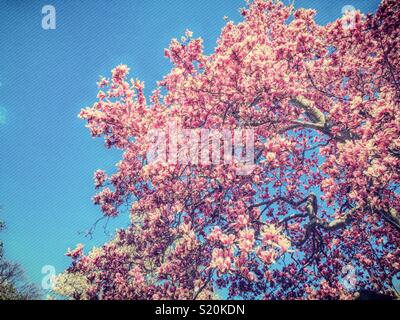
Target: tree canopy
(322,197)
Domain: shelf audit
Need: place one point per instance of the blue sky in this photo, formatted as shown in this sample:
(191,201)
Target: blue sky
(47,157)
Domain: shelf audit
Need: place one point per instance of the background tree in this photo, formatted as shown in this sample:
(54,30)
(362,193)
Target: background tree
(13,285)
(323,195)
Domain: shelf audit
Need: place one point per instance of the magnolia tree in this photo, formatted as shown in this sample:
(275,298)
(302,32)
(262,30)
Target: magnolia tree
(314,214)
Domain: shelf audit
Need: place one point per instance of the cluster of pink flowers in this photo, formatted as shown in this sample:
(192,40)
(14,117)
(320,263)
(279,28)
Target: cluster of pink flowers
(221,259)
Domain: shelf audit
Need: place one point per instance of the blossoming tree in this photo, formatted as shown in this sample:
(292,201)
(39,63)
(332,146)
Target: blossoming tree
(322,198)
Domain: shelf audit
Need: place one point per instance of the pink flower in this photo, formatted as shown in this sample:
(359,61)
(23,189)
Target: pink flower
(119,72)
(221,259)
(270,156)
(267,256)
(227,240)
